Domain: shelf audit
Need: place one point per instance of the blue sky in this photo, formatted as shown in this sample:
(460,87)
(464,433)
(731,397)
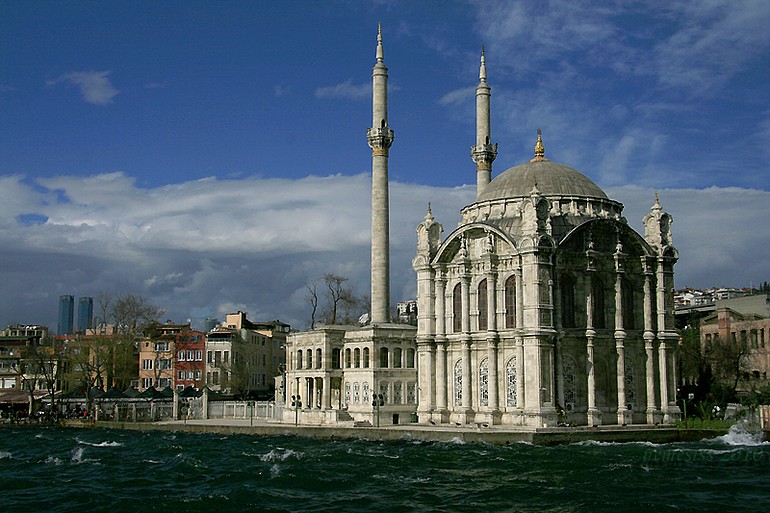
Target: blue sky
(199,153)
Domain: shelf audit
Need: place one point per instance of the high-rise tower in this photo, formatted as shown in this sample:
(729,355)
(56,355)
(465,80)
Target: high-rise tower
(484,152)
(380,138)
(85,314)
(66,314)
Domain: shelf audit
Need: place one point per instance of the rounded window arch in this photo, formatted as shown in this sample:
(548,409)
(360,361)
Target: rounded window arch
(457,309)
(510,302)
(481,301)
(567,291)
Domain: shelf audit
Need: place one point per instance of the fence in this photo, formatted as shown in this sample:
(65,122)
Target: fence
(265,410)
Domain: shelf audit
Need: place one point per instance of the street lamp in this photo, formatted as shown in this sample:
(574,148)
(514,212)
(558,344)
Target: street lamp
(379,400)
(296,403)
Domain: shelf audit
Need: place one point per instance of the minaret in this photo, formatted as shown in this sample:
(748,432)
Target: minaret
(483,153)
(380,138)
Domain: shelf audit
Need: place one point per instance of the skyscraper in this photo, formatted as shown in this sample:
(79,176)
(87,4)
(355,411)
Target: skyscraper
(85,313)
(66,314)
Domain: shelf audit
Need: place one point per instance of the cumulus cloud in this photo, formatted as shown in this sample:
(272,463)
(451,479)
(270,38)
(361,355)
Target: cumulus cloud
(211,246)
(95,86)
(345,90)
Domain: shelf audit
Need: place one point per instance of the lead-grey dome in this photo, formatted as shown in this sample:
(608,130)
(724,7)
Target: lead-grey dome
(551,178)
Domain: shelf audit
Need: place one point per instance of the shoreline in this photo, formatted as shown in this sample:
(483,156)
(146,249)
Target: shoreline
(467,434)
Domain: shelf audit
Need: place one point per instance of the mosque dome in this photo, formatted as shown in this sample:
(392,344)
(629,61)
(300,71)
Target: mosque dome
(551,179)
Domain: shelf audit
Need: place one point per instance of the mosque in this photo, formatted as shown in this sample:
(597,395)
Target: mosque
(542,308)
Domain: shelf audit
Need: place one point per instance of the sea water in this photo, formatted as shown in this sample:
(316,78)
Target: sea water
(93,470)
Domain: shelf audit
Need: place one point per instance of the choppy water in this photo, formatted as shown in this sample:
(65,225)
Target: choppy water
(120,471)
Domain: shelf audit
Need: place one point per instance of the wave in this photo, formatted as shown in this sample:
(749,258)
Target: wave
(5,454)
(740,434)
(280,454)
(100,444)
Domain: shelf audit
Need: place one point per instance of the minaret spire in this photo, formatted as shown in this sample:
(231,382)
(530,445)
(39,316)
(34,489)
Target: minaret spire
(483,152)
(380,138)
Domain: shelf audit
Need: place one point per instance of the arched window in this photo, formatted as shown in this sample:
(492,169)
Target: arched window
(309,362)
(482,304)
(355,392)
(384,357)
(356,358)
(318,358)
(397,358)
(410,358)
(299,359)
(627,301)
(570,383)
(365,392)
(599,310)
(366,358)
(630,379)
(457,309)
(336,363)
(484,382)
(510,382)
(510,302)
(567,302)
(347,358)
(458,380)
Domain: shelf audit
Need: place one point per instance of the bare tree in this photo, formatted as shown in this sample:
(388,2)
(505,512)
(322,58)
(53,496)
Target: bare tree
(338,293)
(312,297)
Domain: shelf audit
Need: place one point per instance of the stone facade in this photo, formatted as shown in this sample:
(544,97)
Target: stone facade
(544,306)
(743,322)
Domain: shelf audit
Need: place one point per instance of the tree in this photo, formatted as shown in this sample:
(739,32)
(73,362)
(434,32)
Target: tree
(728,360)
(240,374)
(312,297)
(104,359)
(340,306)
(337,293)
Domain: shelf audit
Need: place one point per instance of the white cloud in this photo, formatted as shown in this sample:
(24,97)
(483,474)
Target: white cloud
(95,86)
(345,90)
(211,246)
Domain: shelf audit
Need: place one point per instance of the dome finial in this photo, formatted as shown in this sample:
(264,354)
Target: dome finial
(483,66)
(539,149)
(380,52)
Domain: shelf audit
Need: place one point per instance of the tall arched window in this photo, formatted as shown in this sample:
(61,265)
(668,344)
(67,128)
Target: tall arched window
(384,357)
(627,301)
(366,358)
(510,382)
(457,309)
(318,359)
(570,383)
(458,380)
(630,379)
(336,358)
(484,382)
(309,362)
(599,311)
(567,290)
(510,302)
(356,358)
(410,358)
(347,358)
(299,359)
(482,304)
(397,357)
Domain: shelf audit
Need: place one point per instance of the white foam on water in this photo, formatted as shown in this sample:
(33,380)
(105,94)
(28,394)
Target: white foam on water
(739,434)
(280,454)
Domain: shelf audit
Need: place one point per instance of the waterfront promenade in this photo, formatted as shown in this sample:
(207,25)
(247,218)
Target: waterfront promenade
(465,433)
